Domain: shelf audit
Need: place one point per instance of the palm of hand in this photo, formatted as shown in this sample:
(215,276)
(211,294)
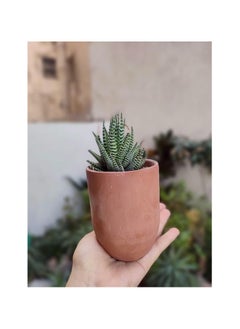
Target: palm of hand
(93,266)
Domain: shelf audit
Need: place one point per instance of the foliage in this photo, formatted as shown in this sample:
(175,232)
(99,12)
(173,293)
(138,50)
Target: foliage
(173,269)
(36,262)
(164,144)
(189,256)
(180,265)
(117,149)
(172,151)
(49,255)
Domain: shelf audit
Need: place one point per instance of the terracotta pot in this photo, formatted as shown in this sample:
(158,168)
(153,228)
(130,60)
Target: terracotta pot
(125,210)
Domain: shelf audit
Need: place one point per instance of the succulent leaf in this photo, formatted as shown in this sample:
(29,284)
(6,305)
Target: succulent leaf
(112,137)
(103,152)
(96,156)
(95,165)
(124,148)
(131,155)
(105,137)
(116,167)
(121,130)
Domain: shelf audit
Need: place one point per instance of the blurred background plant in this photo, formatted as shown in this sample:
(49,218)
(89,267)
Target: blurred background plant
(172,151)
(186,263)
(49,255)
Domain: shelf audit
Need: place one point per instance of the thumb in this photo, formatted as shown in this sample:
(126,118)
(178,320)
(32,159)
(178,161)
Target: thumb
(159,246)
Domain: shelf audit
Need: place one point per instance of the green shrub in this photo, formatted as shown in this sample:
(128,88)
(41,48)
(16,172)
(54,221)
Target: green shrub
(50,255)
(190,254)
(173,269)
(172,151)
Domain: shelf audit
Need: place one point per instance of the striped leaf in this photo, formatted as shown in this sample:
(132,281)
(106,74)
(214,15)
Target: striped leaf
(130,155)
(115,165)
(112,138)
(124,148)
(121,130)
(103,152)
(105,138)
(95,165)
(96,156)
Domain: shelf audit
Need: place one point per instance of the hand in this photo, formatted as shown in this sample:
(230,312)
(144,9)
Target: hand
(94,267)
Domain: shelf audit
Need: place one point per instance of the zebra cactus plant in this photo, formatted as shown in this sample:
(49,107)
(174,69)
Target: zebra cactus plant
(117,149)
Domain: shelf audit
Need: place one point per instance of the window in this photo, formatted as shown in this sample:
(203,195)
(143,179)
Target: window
(49,67)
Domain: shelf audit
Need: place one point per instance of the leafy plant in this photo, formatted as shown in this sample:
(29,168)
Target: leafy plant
(189,256)
(117,149)
(49,255)
(172,269)
(192,216)
(81,188)
(164,144)
(36,262)
(197,152)
(172,151)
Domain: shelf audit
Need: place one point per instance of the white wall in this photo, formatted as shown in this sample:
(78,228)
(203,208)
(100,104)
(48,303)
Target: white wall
(55,151)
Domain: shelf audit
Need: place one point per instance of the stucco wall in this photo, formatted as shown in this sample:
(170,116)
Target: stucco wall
(157,85)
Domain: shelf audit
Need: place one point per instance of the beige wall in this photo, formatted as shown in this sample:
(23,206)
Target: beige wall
(65,97)
(157,86)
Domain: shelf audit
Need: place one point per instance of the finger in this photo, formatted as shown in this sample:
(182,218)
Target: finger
(164,215)
(162,206)
(159,246)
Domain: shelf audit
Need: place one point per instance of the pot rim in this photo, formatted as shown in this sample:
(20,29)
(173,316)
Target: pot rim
(153,163)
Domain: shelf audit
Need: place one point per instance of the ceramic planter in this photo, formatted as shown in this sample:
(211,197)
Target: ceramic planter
(125,210)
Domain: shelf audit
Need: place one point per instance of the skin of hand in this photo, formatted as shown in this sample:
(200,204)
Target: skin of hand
(94,267)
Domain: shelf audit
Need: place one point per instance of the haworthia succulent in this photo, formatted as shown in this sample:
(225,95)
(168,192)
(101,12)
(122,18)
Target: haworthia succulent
(117,152)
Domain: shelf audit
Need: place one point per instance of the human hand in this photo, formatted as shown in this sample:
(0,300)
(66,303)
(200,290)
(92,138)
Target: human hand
(94,267)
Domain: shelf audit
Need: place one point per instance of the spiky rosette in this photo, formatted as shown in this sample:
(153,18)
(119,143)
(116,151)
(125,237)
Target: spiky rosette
(117,149)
